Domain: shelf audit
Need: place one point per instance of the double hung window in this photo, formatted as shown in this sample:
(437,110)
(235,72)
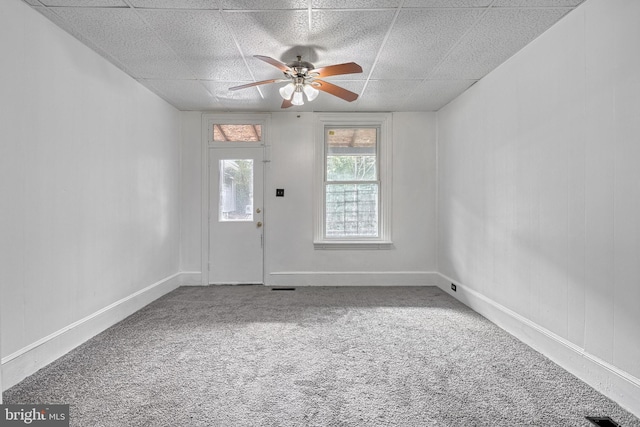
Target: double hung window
(353,195)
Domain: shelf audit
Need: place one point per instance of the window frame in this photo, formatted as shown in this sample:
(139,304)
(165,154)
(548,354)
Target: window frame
(384,150)
(209,120)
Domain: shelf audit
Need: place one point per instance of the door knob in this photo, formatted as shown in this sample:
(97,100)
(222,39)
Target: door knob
(259,224)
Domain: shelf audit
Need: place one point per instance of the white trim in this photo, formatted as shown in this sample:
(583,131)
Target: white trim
(1,381)
(26,361)
(360,244)
(607,379)
(385,159)
(232,283)
(204,197)
(352,278)
(208,144)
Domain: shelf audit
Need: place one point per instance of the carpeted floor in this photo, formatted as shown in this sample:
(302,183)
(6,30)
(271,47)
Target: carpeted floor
(250,356)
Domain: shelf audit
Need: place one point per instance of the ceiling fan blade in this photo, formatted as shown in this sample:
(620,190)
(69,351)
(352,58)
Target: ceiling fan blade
(279,65)
(286,103)
(263,82)
(334,70)
(334,90)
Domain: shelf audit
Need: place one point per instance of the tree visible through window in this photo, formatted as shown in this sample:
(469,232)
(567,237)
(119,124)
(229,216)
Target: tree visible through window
(351,184)
(236,190)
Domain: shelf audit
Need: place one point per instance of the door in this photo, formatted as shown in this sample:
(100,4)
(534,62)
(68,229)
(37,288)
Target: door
(236,215)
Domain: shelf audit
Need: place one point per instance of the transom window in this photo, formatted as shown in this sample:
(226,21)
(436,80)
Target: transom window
(237,132)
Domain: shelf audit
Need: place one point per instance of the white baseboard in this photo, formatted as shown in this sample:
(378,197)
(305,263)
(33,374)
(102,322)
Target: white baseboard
(190,278)
(352,278)
(26,361)
(614,383)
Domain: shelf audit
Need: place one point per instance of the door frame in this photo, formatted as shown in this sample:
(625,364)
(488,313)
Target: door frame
(208,120)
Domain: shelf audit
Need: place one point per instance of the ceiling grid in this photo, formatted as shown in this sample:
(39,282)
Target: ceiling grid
(451,49)
(384,42)
(416,55)
(151,28)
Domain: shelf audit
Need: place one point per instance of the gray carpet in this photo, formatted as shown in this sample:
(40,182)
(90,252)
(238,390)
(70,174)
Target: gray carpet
(249,356)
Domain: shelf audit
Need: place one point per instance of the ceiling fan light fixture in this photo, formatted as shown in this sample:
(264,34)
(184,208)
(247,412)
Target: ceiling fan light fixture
(297,97)
(287,90)
(311,92)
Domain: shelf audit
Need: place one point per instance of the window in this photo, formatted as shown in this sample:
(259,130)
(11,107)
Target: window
(237,132)
(236,190)
(351,188)
(353,181)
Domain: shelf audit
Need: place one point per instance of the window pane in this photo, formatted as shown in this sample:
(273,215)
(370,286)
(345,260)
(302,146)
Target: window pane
(351,168)
(237,133)
(351,154)
(351,210)
(236,190)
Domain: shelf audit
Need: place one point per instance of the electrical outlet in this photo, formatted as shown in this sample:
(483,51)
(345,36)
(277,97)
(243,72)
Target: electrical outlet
(454,287)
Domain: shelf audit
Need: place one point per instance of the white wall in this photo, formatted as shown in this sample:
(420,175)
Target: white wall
(290,258)
(191,190)
(539,190)
(89,186)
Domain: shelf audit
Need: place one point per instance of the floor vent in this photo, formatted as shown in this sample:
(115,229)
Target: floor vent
(603,421)
(283,289)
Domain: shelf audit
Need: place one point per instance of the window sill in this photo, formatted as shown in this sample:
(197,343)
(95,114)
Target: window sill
(353,245)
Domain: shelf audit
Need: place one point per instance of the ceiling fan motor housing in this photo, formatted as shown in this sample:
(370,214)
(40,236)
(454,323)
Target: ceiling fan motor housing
(300,67)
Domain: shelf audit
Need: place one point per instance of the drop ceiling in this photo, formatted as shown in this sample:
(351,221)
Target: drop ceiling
(416,55)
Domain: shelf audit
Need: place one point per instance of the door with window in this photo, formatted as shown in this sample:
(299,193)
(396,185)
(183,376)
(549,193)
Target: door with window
(236,215)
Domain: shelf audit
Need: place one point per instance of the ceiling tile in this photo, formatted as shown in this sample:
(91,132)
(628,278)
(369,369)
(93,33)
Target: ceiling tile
(122,34)
(175,4)
(349,36)
(261,4)
(85,3)
(353,4)
(432,95)
(201,39)
(447,3)
(498,36)
(183,94)
(537,3)
(385,95)
(271,33)
(419,41)
(53,14)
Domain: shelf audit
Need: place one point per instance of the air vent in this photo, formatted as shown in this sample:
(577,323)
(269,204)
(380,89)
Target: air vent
(283,289)
(603,421)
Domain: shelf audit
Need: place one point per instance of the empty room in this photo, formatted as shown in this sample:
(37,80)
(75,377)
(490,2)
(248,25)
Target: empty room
(320,213)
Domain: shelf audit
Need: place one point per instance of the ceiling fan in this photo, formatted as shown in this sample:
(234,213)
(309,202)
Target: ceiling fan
(304,78)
